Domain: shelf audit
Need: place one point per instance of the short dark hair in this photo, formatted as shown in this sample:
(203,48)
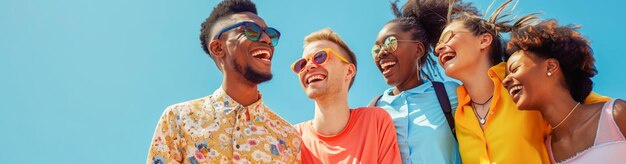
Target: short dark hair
(549,40)
(223,9)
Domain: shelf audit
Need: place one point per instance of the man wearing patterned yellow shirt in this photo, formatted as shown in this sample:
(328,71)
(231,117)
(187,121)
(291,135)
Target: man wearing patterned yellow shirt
(232,125)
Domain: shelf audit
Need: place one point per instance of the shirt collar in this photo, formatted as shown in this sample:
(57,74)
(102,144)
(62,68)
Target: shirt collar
(222,101)
(496,74)
(420,88)
(426,84)
(498,71)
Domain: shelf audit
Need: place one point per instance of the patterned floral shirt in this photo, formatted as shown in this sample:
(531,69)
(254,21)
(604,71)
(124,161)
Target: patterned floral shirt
(216,129)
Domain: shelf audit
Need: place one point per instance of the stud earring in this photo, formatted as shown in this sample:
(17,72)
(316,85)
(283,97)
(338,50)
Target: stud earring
(549,73)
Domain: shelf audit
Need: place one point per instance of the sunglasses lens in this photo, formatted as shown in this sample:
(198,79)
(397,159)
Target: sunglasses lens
(375,50)
(391,44)
(274,35)
(445,37)
(299,65)
(320,57)
(253,31)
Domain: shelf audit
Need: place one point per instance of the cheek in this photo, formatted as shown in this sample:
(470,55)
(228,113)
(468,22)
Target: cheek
(408,65)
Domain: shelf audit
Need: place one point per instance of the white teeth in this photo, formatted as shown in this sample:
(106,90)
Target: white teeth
(262,52)
(447,57)
(385,64)
(515,89)
(315,77)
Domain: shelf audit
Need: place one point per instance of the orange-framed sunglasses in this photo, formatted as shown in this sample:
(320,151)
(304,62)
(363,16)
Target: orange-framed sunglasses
(319,57)
(446,37)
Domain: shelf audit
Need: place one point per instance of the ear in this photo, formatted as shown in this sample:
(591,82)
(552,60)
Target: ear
(485,40)
(351,72)
(217,53)
(552,65)
(215,47)
(419,50)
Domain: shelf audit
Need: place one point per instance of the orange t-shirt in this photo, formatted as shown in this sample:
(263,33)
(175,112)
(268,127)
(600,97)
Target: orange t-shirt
(369,137)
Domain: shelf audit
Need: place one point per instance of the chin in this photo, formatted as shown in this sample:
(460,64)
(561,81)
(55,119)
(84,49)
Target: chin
(451,72)
(264,72)
(312,94)
(391,82)
(522,104)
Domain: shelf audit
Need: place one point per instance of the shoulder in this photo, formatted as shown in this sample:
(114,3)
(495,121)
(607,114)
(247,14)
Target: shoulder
(451,85)
(301,127)
(185,108)
(275,117)
(372,113)
(188,106)
(369,111)
(619,113)
(285,125)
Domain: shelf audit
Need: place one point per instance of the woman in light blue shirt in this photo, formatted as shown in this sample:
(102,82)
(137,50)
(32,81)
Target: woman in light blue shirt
(402,54)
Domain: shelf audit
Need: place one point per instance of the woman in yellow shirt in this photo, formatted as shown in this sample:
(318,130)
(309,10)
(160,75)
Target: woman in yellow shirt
(489,127)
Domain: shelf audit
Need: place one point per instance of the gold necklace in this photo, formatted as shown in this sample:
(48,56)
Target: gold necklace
(570,113)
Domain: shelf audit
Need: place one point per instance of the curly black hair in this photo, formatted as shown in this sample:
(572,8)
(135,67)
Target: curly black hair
(549,40)
(494,25)
(426,19)
(223,9)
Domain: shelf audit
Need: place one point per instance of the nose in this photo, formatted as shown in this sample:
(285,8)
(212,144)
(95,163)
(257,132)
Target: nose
(309,65)
(381,54)
(507,81)
(265,38)
(440,48)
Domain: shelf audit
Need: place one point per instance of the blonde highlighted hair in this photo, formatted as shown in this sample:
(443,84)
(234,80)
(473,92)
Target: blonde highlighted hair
(330,35)
(498,22)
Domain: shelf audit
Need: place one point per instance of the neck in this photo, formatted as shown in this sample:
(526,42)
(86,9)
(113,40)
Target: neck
(479,86)
(412,82)
(242,91)
(555,110)
(477,81)
(331,114)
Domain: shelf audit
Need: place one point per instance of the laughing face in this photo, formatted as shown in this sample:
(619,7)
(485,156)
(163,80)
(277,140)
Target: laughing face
(251,59)
(458,49)
(330,77)
(399,67)
(527,80)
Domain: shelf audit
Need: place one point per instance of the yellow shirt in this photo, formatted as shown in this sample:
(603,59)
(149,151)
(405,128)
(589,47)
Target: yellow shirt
(216,129)
(510,135)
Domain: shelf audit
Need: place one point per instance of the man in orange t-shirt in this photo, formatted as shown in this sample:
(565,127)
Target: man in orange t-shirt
(338,134)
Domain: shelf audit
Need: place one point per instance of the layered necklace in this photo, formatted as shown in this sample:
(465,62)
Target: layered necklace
(481,119)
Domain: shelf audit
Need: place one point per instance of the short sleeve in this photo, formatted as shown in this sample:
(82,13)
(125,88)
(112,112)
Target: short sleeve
(164,145)
(388,152)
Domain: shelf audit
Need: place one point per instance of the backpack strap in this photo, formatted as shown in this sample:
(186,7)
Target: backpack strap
(373,102)
(444,102)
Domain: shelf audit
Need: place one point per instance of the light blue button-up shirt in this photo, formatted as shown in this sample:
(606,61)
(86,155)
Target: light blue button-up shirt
(424,135)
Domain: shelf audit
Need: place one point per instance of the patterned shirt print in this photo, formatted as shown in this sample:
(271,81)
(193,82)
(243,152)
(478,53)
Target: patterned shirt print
(216,129)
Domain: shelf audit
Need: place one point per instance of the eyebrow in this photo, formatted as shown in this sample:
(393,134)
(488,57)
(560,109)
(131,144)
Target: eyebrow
(390,35)
(509,66)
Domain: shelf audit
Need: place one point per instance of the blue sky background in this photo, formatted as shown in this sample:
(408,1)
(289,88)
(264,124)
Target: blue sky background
(85,81)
